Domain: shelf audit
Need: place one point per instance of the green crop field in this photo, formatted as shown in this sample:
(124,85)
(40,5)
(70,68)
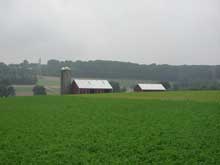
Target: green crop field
(129,128)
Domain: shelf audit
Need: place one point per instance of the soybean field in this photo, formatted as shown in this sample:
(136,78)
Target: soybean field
(128,128)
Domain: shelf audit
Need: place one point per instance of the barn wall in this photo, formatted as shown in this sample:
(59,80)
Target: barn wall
(84,91)
(90,91)
(75,89)
(108,91)
(153,90)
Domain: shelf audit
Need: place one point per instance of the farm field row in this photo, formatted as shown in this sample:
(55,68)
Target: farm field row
(202,96)
(134,128)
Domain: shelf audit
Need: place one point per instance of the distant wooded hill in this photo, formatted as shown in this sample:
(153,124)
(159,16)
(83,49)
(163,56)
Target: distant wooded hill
(181,75)
(125,70)
(18,73)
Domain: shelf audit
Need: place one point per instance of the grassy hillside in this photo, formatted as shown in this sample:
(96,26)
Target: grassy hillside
(136,128)
(52,85)
(23,90)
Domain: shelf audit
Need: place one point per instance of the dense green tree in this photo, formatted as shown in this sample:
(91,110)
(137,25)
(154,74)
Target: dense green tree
(115,85)
(39,90)
(6,89)
(10,91)
(18,73)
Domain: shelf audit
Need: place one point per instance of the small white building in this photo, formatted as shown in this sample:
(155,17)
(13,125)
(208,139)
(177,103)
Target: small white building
(149,87)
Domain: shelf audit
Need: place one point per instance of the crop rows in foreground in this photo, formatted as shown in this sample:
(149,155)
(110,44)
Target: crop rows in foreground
(110,129)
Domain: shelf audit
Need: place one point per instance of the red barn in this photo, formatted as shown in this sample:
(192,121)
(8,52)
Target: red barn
(90,86)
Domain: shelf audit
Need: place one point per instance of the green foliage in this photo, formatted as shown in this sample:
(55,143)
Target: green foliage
(126,70)
(6,89)
(180,77)
(197,85)
(10,91)
(143,128)
(197,77)
(18,73)
(39,90)
(115,85)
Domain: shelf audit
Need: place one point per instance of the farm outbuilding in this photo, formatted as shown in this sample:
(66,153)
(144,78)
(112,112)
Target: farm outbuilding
(149,87)
(90,86)
(82,86)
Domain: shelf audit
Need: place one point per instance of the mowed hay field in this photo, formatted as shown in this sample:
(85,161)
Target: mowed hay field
(52,85)
(135,128)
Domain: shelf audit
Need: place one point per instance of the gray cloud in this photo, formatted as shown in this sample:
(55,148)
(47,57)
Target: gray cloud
(144,31)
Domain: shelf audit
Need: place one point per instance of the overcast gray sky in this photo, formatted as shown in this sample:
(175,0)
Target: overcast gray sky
(142,31)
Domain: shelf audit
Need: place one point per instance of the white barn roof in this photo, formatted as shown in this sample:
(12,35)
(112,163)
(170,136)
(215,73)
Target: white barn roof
(152,87)
(93,84)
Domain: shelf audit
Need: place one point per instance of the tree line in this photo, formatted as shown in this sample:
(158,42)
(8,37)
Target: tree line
(22,73)
(127,70)
(178,76)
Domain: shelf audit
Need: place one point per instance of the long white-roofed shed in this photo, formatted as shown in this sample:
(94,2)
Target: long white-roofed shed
(82,86)
(149,87)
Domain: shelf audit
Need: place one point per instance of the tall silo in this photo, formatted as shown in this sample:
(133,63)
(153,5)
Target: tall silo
(65,84)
